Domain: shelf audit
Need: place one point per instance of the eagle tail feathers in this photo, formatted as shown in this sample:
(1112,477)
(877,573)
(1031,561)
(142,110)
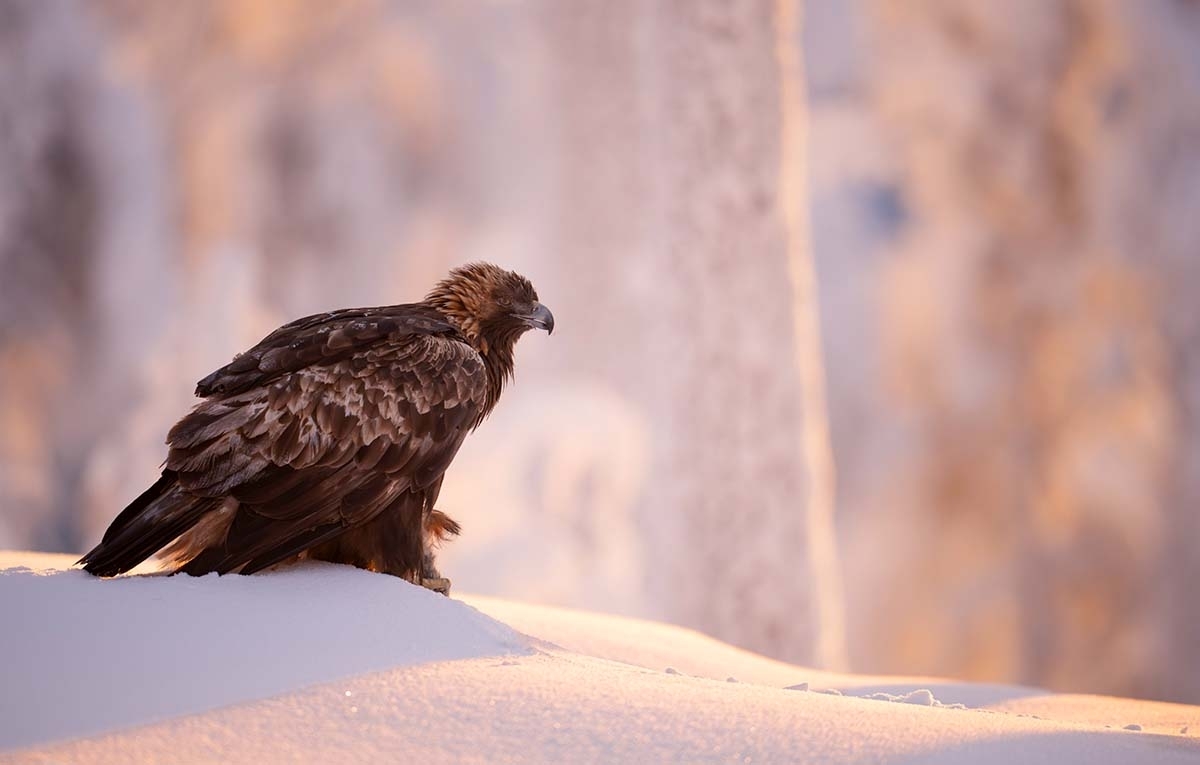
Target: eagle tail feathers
(149,523)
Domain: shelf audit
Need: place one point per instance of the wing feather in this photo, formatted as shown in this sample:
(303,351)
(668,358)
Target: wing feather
(322,339)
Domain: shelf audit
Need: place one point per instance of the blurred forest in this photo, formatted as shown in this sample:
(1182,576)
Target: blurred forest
(877,345)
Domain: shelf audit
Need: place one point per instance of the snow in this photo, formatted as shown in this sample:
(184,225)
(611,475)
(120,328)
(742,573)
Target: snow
(84,655)
(320,663)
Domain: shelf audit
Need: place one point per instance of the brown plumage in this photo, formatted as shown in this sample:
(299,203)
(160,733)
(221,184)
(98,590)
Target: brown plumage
(330,437)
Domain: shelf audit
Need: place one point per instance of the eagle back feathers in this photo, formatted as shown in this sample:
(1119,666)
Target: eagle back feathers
(328,421)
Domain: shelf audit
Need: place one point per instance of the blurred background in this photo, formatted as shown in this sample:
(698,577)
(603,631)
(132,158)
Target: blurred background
(878,321)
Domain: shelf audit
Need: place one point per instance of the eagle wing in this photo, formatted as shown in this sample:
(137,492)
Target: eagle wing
(325,424)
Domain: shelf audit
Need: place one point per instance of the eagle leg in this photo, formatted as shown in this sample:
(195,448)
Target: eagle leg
(439,584)
(438,528)
(431,578)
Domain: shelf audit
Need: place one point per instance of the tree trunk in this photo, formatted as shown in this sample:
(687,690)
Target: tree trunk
(679,147)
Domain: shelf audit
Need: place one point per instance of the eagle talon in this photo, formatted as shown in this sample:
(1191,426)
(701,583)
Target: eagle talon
(439,584)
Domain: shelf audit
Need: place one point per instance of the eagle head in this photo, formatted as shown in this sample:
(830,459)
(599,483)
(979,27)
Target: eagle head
(489,305)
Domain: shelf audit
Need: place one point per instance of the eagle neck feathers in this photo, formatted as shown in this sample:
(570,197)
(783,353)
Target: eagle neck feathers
(460,301)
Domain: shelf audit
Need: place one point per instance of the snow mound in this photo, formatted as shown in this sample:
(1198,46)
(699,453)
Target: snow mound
(319,663)
(83,655)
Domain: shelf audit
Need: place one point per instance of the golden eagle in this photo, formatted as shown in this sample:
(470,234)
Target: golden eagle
(330,438)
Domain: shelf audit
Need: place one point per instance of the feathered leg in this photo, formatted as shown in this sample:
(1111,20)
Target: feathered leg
(400,542)
(438,528)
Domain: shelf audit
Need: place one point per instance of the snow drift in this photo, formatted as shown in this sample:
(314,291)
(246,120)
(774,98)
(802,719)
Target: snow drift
(82,655)
(317,663)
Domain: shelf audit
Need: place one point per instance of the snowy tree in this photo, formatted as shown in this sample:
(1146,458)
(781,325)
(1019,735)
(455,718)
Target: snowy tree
(79,249)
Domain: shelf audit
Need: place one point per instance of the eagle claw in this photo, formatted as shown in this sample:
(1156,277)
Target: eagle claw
(438,584)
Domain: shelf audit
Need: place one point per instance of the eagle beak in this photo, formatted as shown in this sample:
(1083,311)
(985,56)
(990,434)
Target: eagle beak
(541,318)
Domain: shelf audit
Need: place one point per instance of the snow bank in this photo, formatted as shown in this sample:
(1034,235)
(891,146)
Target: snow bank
(82,655)
(323,663)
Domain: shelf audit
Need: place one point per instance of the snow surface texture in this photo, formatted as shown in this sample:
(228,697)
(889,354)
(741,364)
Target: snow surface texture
(324,663)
